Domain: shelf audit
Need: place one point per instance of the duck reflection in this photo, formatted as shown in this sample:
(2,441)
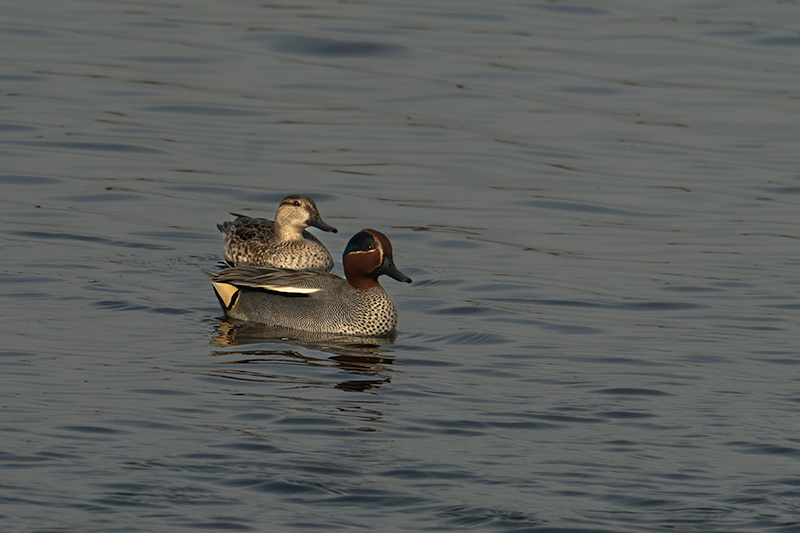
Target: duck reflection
(363,356)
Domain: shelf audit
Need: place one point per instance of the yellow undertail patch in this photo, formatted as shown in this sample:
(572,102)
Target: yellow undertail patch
(225,293)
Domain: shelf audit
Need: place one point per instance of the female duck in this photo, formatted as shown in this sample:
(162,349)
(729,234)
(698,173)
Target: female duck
(283,243)
(317,301)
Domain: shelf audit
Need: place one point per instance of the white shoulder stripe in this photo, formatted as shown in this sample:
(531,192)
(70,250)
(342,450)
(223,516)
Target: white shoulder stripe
(284,288)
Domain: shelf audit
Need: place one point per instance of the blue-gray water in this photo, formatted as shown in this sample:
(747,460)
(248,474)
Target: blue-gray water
(597,201)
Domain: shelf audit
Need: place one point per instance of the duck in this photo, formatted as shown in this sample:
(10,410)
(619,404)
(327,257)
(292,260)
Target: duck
(283,243)
(317,301)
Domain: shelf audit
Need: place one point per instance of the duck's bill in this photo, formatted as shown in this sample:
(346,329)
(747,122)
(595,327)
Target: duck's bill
(317,222)
(388,268)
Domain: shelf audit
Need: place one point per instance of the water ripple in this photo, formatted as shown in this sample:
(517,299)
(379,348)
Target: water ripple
(203,110)
(632,391)
(503,519)
(12,179)
(58,236)
(469,337)
(87,146)
(327,47)
(562,205)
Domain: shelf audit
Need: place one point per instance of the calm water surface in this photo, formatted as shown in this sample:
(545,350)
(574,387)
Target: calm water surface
(598,204)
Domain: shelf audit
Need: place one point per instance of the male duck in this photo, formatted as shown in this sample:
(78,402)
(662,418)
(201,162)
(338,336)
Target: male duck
(283,243)
(317,301)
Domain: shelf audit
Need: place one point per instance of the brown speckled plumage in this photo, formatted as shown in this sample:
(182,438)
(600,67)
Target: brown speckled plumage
(283,243)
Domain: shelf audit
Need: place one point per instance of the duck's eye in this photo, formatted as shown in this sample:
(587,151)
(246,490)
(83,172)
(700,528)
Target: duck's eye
(296,203)
(369,246)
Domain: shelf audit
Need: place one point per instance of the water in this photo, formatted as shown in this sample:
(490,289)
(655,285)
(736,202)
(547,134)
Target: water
(597,204)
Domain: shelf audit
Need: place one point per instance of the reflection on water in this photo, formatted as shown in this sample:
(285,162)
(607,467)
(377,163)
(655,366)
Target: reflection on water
(356,355)
(234,333)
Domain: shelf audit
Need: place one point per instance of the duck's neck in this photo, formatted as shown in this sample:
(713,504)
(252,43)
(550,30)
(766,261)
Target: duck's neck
(288,232)
(362,283)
